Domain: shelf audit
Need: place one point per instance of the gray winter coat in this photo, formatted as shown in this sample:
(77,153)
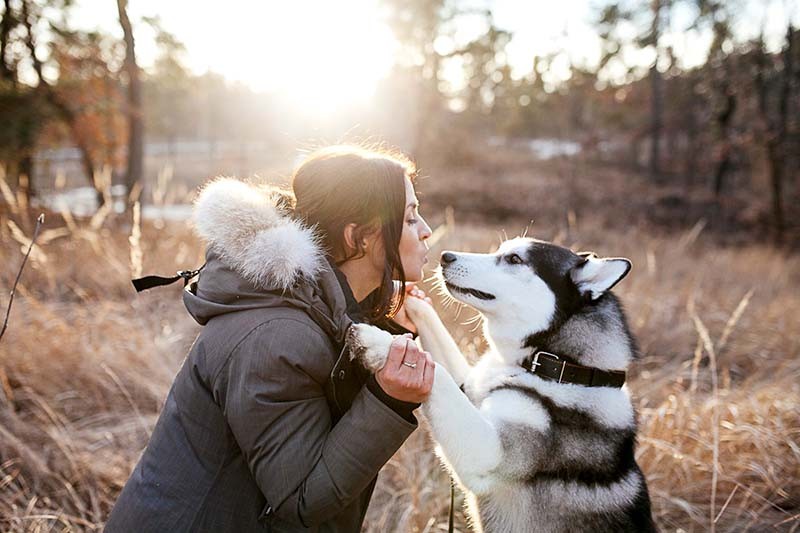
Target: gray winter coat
(267,426)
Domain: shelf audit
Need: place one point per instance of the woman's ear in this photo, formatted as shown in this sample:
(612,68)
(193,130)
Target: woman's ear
(360,239)
(351,238)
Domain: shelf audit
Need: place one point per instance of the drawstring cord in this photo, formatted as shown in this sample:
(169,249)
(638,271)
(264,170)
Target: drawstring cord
(148,282)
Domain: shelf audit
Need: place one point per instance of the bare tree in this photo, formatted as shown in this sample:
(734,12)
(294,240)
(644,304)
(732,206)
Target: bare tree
(775,123)
(656,92)
(656,13)
(133,174)
(17,31)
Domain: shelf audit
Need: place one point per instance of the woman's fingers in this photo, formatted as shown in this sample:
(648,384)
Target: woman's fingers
(397,351)
(413,359)
(408,373)
(416,292)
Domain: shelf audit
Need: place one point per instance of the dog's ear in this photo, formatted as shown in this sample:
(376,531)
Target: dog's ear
(593,276)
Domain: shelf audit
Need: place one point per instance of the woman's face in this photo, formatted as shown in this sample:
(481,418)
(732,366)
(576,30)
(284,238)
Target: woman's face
(413,246)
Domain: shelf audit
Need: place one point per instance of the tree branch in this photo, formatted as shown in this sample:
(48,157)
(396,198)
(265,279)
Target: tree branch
(39,222)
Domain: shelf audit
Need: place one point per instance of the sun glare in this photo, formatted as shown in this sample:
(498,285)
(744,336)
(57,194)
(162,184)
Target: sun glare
(323,55)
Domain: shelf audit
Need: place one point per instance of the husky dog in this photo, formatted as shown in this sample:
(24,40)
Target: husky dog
(540,434)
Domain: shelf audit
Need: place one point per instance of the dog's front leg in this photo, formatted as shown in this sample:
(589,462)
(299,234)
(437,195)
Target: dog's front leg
(468,441)
(436,339)
(369,344)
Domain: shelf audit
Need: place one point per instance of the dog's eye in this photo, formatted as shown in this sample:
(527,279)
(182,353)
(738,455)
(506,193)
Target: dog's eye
(514,259)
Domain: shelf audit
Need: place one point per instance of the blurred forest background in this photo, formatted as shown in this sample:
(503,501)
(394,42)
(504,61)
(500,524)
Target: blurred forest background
(673,139)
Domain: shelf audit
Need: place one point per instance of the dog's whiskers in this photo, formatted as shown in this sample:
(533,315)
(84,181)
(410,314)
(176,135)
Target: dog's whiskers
(527,228)
(477,320)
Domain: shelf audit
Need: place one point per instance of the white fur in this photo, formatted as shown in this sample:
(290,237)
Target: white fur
(453,419)
(514,407)
(243,224)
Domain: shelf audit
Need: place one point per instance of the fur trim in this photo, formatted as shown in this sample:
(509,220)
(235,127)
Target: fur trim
(253,236)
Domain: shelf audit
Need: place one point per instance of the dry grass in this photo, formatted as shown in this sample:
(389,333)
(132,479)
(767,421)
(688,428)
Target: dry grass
(85,365)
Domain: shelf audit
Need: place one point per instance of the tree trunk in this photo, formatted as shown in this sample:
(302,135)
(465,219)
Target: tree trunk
(133,174)
(26,135)
(779,143)
(776,159)
(656,112)
(692,134)
(776,130)
(723,121)
(657,99)
(7,24)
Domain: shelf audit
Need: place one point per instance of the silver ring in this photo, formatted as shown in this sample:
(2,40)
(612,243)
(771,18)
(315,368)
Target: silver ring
(410,365)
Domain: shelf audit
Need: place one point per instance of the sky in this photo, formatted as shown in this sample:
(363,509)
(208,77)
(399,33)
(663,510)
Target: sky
(299,45)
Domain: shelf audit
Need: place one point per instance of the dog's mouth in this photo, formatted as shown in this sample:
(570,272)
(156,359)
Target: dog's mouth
(465,290)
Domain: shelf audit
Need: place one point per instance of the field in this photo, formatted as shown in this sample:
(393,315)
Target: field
(86,363)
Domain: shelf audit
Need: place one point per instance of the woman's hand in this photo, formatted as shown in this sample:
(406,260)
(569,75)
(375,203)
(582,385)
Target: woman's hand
(408,372)
(401,317)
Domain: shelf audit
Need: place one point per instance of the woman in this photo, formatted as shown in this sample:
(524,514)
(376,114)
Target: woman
(268,424)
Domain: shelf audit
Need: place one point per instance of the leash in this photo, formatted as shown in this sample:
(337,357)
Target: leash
(452,505)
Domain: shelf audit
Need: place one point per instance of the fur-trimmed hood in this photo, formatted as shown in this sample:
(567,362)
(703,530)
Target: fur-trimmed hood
(258,256)
(250,229)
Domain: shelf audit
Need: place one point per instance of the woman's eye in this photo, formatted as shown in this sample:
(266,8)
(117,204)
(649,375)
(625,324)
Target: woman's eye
(514,259)
(412,221)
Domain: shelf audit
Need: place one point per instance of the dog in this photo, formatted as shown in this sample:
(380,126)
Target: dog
(540,433)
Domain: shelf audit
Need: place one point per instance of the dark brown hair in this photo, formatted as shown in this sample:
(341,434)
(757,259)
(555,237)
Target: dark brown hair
(341,185)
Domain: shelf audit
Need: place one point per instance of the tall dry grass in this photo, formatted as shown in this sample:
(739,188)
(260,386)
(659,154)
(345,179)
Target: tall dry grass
(86,364)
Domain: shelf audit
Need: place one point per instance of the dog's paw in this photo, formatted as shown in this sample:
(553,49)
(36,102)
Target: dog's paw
(418,310)
(369,344)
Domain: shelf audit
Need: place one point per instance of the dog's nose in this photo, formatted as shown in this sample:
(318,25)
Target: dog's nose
(448,257)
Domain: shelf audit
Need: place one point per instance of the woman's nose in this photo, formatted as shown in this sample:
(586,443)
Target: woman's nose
(426,231)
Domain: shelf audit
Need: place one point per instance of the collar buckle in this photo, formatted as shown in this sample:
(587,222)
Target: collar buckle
(535,363)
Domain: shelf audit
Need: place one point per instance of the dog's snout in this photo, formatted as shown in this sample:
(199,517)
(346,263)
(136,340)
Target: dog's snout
(448,257)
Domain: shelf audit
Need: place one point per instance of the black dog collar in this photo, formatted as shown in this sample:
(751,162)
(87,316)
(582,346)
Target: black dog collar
(551,367)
